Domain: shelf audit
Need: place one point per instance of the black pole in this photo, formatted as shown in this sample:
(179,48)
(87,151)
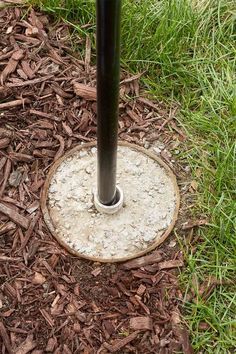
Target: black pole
(108,76)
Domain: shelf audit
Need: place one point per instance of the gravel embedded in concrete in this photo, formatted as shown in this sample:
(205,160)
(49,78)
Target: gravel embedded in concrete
(150,202)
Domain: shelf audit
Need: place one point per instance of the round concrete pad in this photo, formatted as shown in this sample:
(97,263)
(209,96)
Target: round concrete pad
(147,217)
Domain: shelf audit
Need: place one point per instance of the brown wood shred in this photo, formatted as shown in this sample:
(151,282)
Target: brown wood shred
(155,257)
(14,216)
(5,338)
(14,103)
(51,301)
(12,65)
(4,143)
(61,148)
(119,344)
(7,172)
(44,115)
(141,323)
(29,82)
(27,69)
(84,91)
(28,345)
(170,264)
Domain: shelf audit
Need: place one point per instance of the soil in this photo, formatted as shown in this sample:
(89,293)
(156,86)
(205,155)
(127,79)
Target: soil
(51,301)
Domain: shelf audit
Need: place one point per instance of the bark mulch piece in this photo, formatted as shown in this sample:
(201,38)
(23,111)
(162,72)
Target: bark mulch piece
(49,300)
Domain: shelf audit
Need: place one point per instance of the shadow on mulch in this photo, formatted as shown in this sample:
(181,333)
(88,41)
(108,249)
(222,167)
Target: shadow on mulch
(49,300)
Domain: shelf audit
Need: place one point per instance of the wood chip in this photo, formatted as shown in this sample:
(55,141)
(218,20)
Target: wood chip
(141,290)
(61,148)
(5,338)
(66,349)
(27,69)
(17,156)
(30,230)
(183,336)
(26,39)
(7,172)
(132,78)
(38,279)
(9,259)
(44,115)
(154,257)
(191,224)
(4,142)
(69,305)
(7,227)
(30,82)
(5,133)
(21,73)
(52,342)
(28,345)
(170,264)
(33,207)
(121,343)
(14,103)
(84,91)
(67,129)
(149,103)
(14,216)
(141,323)
(134,116)
(77,327)
(15,178)
(12,65)
(47,317)
(96,272)
(144,307)
(2,162)
(59,91)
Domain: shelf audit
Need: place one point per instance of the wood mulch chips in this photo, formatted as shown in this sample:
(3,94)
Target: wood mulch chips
(50,301)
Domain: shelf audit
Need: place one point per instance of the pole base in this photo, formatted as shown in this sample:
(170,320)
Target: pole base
(89,229)
(110,209)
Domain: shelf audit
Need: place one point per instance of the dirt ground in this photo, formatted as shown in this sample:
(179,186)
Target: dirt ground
(51,301)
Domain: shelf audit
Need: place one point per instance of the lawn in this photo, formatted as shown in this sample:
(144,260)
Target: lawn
(187,50)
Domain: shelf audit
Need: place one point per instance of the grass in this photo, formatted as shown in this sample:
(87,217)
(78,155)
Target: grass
(187,48)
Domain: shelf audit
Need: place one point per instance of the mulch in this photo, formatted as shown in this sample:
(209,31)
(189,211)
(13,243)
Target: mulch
(51,301)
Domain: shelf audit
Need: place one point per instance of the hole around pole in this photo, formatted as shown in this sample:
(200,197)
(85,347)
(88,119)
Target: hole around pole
(114,207)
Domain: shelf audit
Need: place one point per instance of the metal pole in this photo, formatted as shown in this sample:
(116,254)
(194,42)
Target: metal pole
(108,76)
